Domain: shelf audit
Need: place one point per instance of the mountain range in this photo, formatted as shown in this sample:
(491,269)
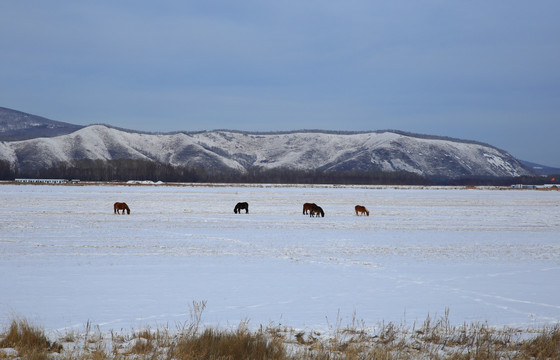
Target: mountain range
(17,125)
(32,142)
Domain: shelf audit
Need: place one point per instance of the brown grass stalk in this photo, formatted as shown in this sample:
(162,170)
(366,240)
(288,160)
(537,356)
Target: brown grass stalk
(435,339)
(29,341)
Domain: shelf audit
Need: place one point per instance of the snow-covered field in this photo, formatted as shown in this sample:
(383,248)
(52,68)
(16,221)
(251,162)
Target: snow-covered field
(486,255)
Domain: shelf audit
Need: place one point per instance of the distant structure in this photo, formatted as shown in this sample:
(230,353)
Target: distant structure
(42,181)
(523,186)
(535,187)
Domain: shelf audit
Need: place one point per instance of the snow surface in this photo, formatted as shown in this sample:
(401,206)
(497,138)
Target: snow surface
(486,255)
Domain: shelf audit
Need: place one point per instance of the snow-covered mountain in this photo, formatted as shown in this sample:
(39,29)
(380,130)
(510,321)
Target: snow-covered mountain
(239,151)
(540,169)
(17,125)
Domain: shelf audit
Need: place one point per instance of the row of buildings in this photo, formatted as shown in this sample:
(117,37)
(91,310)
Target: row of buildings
(47,181)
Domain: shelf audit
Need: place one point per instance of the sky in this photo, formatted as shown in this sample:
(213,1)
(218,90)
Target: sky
(478,70)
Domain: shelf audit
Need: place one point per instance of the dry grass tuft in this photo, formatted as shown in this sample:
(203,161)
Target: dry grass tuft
(434,339)
(29,341)
(213,344)
(544,346)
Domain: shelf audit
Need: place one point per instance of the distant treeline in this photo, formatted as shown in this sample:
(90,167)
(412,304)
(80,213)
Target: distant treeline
(502,181)
(129,169)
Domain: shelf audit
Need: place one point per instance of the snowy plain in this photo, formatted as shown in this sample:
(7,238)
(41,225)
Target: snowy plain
(486,255)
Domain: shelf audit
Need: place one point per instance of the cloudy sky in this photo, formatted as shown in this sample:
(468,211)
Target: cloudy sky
(479,70)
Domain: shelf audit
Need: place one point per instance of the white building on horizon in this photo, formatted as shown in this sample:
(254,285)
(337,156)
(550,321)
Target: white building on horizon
(42,181)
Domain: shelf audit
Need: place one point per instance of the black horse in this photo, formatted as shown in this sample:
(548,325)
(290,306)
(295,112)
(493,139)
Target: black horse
(316,210)
(240,206)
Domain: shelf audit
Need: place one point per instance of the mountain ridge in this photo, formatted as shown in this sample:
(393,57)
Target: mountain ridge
(17,125)
(240,151)
(8,118)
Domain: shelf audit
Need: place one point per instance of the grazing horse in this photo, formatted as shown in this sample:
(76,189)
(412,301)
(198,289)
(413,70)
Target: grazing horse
(316,210)
(240,206)
(121,206)
(361,210)
(307,207)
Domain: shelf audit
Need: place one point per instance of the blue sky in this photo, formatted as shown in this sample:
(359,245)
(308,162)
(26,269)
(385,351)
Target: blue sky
(479,70)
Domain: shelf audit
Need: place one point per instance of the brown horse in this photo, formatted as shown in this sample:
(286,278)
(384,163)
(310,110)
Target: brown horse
(307,207)
(240,206)
(121,206)
(316,211)
(361,210)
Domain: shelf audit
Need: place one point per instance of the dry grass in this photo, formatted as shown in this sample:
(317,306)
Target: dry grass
(29,341)
(213,344)
(544,346)
(434,339)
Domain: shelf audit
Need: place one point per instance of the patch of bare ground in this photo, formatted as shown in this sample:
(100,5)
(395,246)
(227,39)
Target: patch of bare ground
(433,339)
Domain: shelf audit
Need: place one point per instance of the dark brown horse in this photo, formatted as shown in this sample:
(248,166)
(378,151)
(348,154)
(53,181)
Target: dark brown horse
(121,206)
(240,206)
(307,207)
(361,210)
(316,211)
